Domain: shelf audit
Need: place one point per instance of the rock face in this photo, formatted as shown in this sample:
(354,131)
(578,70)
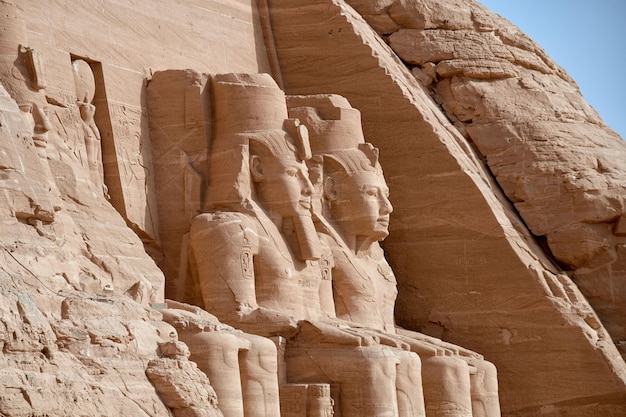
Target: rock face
(507,236)
(76,284)
(554,158)
(455,271)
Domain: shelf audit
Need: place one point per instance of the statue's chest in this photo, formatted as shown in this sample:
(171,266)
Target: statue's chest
(287,285)
(278,265)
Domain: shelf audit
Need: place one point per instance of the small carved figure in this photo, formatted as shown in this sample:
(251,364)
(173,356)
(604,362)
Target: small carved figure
(320,402)
(85,92)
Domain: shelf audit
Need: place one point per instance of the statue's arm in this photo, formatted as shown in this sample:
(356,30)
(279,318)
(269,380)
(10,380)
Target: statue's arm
(223,247)
(325,333)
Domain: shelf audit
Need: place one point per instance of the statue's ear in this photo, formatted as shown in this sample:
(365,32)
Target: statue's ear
(256,169)
(330,188)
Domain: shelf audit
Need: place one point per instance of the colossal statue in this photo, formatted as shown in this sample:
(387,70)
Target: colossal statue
(352,215)
(261,267)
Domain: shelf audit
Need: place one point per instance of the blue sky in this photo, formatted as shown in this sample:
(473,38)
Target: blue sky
(587,38)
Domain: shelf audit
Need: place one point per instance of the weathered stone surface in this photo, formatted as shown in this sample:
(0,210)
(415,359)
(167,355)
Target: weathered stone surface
(454,269)
(488,149)
(183,388)
(75,280)
(67,353)
(549,151)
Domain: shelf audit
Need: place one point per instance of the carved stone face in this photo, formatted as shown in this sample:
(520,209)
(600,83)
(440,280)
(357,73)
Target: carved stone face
(282,184)
(361,205)
(37,118)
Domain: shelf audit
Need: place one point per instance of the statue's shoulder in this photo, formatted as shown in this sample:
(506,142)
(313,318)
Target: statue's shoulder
(326,239)
(329,236)
(223,217)
(229,224)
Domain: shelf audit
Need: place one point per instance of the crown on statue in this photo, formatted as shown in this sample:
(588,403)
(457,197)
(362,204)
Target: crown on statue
(335,130)
(252,107)
(332,123)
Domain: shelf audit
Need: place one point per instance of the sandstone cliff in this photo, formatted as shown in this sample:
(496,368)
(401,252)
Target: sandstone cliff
(469,270)
(79,334)
(549,151)
(508,236)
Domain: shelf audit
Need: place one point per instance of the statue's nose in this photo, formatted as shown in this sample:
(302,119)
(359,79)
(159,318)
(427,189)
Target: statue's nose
(387,208)
(307,186)
(42,123)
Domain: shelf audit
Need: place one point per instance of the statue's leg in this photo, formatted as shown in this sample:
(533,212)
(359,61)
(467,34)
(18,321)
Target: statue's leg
(366,376)
(484,388)
(259,369)
(446,382)
(409,385)
(217,355)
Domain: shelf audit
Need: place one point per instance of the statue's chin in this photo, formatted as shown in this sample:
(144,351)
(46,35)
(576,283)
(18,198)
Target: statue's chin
(374,236)
(380,233)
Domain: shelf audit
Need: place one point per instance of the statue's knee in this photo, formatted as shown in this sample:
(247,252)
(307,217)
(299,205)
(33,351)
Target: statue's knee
(410,363)
(261,344)
(214,350)
(262,355)
(485,380)
(446,367)
(489,369)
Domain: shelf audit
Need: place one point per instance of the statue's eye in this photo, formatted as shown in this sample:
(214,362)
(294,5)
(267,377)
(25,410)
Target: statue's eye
(292,172)
(371,191)
(26,107)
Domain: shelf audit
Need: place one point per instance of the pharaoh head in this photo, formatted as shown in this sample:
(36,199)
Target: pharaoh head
(355,193)
(258,157)
(279,174)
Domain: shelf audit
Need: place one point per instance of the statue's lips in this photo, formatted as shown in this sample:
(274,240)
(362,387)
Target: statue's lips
(40,139)
(306,204)
(383,221)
